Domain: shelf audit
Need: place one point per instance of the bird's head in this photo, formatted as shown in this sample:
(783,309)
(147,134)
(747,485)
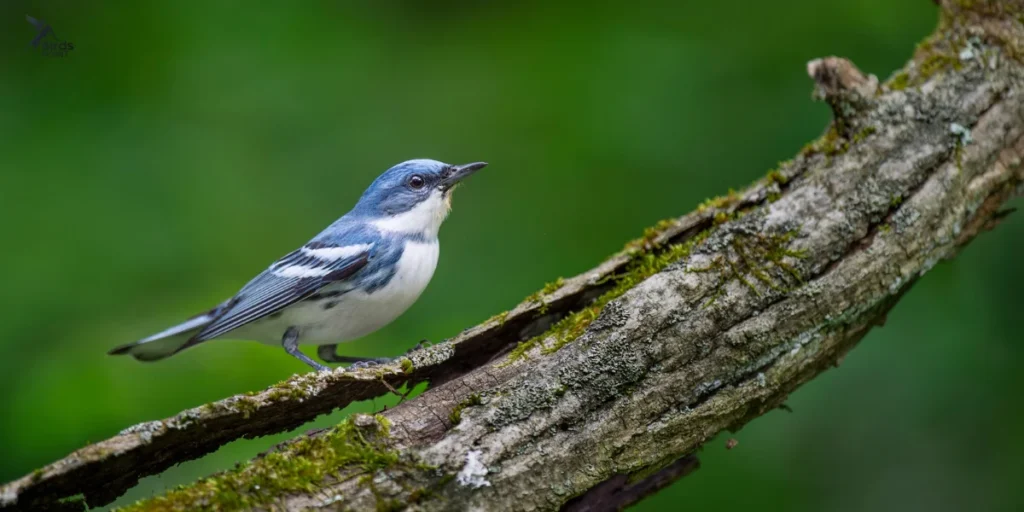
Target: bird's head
(414,196)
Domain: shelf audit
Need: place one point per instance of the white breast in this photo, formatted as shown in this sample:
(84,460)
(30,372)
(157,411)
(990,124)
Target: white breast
(413,272)
(358,313)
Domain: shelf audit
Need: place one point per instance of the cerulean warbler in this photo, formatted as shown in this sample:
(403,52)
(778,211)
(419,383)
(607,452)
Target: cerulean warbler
(355,277)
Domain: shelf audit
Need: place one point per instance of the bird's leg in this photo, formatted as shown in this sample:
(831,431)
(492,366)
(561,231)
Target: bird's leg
(290,342)
(329,353)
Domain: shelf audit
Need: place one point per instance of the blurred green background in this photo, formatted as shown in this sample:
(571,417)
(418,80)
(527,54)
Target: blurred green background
(182,147)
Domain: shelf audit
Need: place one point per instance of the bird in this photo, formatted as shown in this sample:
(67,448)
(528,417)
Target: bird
(356,276)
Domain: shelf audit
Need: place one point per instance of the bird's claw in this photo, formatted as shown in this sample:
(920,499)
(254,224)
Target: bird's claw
(368,364)
(380,360)
(421,344)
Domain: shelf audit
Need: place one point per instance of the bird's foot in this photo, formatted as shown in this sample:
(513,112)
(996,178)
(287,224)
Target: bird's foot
(367,363)
(290,342)
(329,353)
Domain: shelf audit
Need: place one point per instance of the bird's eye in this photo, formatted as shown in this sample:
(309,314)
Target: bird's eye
(416,181)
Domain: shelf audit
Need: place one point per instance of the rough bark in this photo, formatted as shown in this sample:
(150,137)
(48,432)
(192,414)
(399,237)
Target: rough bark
(707,322)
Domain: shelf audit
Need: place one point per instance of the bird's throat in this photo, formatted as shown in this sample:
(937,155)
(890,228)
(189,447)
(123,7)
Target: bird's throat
(448,198)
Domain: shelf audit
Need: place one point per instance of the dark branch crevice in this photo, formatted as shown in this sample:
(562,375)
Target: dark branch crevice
(619,492)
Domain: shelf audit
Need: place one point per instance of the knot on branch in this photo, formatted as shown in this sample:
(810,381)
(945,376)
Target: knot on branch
(838,82)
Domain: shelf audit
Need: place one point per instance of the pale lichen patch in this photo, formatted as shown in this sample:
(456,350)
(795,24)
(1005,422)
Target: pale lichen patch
(9,496)
(961,131)
(472,474)
(434,354)
(145,430)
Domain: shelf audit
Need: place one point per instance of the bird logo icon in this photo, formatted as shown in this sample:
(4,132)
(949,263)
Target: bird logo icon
(43,29)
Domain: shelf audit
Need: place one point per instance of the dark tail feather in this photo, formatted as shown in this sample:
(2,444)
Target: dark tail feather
(166,342)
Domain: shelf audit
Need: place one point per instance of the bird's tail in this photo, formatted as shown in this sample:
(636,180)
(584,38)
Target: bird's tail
(166,342)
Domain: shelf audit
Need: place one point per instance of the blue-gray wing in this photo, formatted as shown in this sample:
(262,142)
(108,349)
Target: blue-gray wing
(291,279)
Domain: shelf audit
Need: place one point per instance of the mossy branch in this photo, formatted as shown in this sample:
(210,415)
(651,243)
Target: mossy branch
(600,387)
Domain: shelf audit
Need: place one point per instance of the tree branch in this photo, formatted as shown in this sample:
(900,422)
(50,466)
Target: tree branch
(597,390)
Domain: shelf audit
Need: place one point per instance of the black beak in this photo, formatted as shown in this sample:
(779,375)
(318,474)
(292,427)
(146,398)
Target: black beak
(457,173)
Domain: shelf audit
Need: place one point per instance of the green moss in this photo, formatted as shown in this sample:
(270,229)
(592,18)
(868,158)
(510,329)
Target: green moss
(300,467)
(295,388)
(830,139)
(37,475)
(76,502)
(246,406)
(830,144)
(275,395)
(933,56)
(896,200)
(407,366)
(538,296)
(720,202)
(900,81)
(775,176)
(864,133)
(286,391)
(721,218)
(500,318)
(937,62)
(651,234)
(833,144)
(456,415)
(641,266)
(550,288)
(758,257)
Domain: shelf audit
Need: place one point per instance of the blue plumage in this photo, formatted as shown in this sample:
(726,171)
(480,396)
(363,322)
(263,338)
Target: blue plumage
(354,277)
